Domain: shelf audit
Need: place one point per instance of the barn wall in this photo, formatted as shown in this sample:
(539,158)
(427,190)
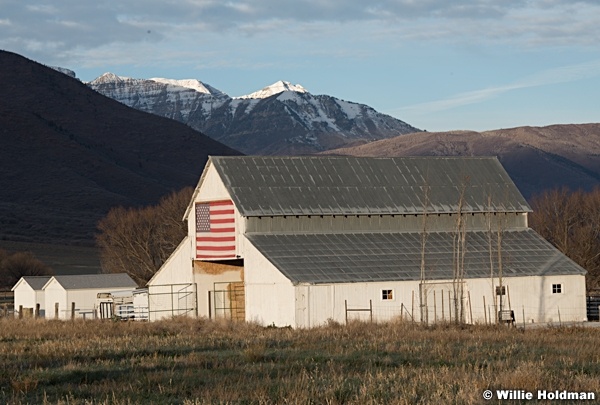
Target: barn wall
(270,296)
(316,304)
(25,296)
(376,223)
(532,296)
(178,267)
(54,293)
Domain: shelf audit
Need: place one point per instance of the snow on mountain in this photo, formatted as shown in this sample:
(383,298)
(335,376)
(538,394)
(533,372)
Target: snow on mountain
(175,99)
(279,119)
(192,84)
(65,71)
(275,88)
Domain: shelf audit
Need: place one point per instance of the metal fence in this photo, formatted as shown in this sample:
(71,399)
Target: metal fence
(171,300)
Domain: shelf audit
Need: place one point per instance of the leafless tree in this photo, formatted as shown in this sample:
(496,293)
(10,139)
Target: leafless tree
(424,234)
(459,252)
(571,222)
(13,266)
(138,241)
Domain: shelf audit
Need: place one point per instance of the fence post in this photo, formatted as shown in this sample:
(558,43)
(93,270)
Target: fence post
(72,310)
(371,309)
(434,309)
(412,308)
(56,310)
(20,311)
(346,310)
(484,311)
(470,307)
(37,310)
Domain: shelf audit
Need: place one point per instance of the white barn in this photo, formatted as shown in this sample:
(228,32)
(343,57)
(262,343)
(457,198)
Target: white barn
(28,294)
(301,240)
(61,292)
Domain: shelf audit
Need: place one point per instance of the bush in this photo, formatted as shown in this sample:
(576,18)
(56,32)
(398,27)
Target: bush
(16,265)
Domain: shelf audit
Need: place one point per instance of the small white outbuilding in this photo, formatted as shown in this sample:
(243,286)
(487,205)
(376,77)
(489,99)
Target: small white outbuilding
(76,295)
(29,294)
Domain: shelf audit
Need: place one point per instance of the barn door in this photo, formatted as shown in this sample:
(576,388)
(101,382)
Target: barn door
(229,300)
(302,320)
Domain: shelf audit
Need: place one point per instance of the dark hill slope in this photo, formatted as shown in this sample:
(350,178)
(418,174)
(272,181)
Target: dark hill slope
(536,158)
(69,154)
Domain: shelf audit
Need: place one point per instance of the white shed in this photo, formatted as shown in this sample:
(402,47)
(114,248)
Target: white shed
(300,240)
(29,294)
(76,295)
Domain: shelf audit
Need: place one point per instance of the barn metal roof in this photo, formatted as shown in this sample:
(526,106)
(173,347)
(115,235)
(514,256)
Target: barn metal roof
(330,185)
(365,257)
(35,282)
(84,281)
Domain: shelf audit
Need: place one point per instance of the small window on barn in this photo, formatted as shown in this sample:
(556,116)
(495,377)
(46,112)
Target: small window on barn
(501,290)
(556,288)
(387,295)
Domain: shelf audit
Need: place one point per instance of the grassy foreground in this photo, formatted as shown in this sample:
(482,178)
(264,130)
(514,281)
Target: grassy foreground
(199,361)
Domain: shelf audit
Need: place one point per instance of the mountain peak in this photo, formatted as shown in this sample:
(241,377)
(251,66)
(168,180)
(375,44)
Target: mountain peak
(109,78)
(276,88)
(188,84)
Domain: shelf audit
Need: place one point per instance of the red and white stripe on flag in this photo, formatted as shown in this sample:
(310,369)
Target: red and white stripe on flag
(215,230)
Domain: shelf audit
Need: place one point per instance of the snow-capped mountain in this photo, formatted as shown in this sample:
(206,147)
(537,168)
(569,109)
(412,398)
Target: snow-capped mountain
(275,88)
(279,119)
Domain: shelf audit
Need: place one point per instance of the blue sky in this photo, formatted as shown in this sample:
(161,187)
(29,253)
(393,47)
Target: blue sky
(436,64)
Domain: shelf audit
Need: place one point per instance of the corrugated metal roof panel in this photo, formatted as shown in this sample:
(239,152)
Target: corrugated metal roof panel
(331,185)
(37,282)
(360,257)
(83,281)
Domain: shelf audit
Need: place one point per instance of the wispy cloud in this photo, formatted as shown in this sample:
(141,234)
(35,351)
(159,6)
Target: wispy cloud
(106,22)
(562,74)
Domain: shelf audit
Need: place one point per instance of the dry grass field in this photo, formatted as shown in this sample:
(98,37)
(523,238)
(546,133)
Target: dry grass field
(190,361)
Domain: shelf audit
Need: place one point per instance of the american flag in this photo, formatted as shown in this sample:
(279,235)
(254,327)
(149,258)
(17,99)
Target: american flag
(215,230)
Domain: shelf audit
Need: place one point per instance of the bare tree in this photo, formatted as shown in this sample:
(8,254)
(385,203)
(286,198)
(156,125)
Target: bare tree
(459,251)
(571,222)
(13,266)
(424,233)
(138,241)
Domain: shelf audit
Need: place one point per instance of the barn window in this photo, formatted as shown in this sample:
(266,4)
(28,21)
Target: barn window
(556,288)
(387,295)
(501,290)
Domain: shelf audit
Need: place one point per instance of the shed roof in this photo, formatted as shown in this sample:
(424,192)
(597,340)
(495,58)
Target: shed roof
(95,281)
(35,282)
(365,257)
(330,185)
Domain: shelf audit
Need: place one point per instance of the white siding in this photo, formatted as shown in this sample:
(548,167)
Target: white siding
(328,301)
(270,296)
(177,269)
(532,296)
(85,300)
(54,293)
(25,296)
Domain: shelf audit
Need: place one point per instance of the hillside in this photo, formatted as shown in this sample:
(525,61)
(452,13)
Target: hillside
(280,119)
(537,158)
(69,154)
